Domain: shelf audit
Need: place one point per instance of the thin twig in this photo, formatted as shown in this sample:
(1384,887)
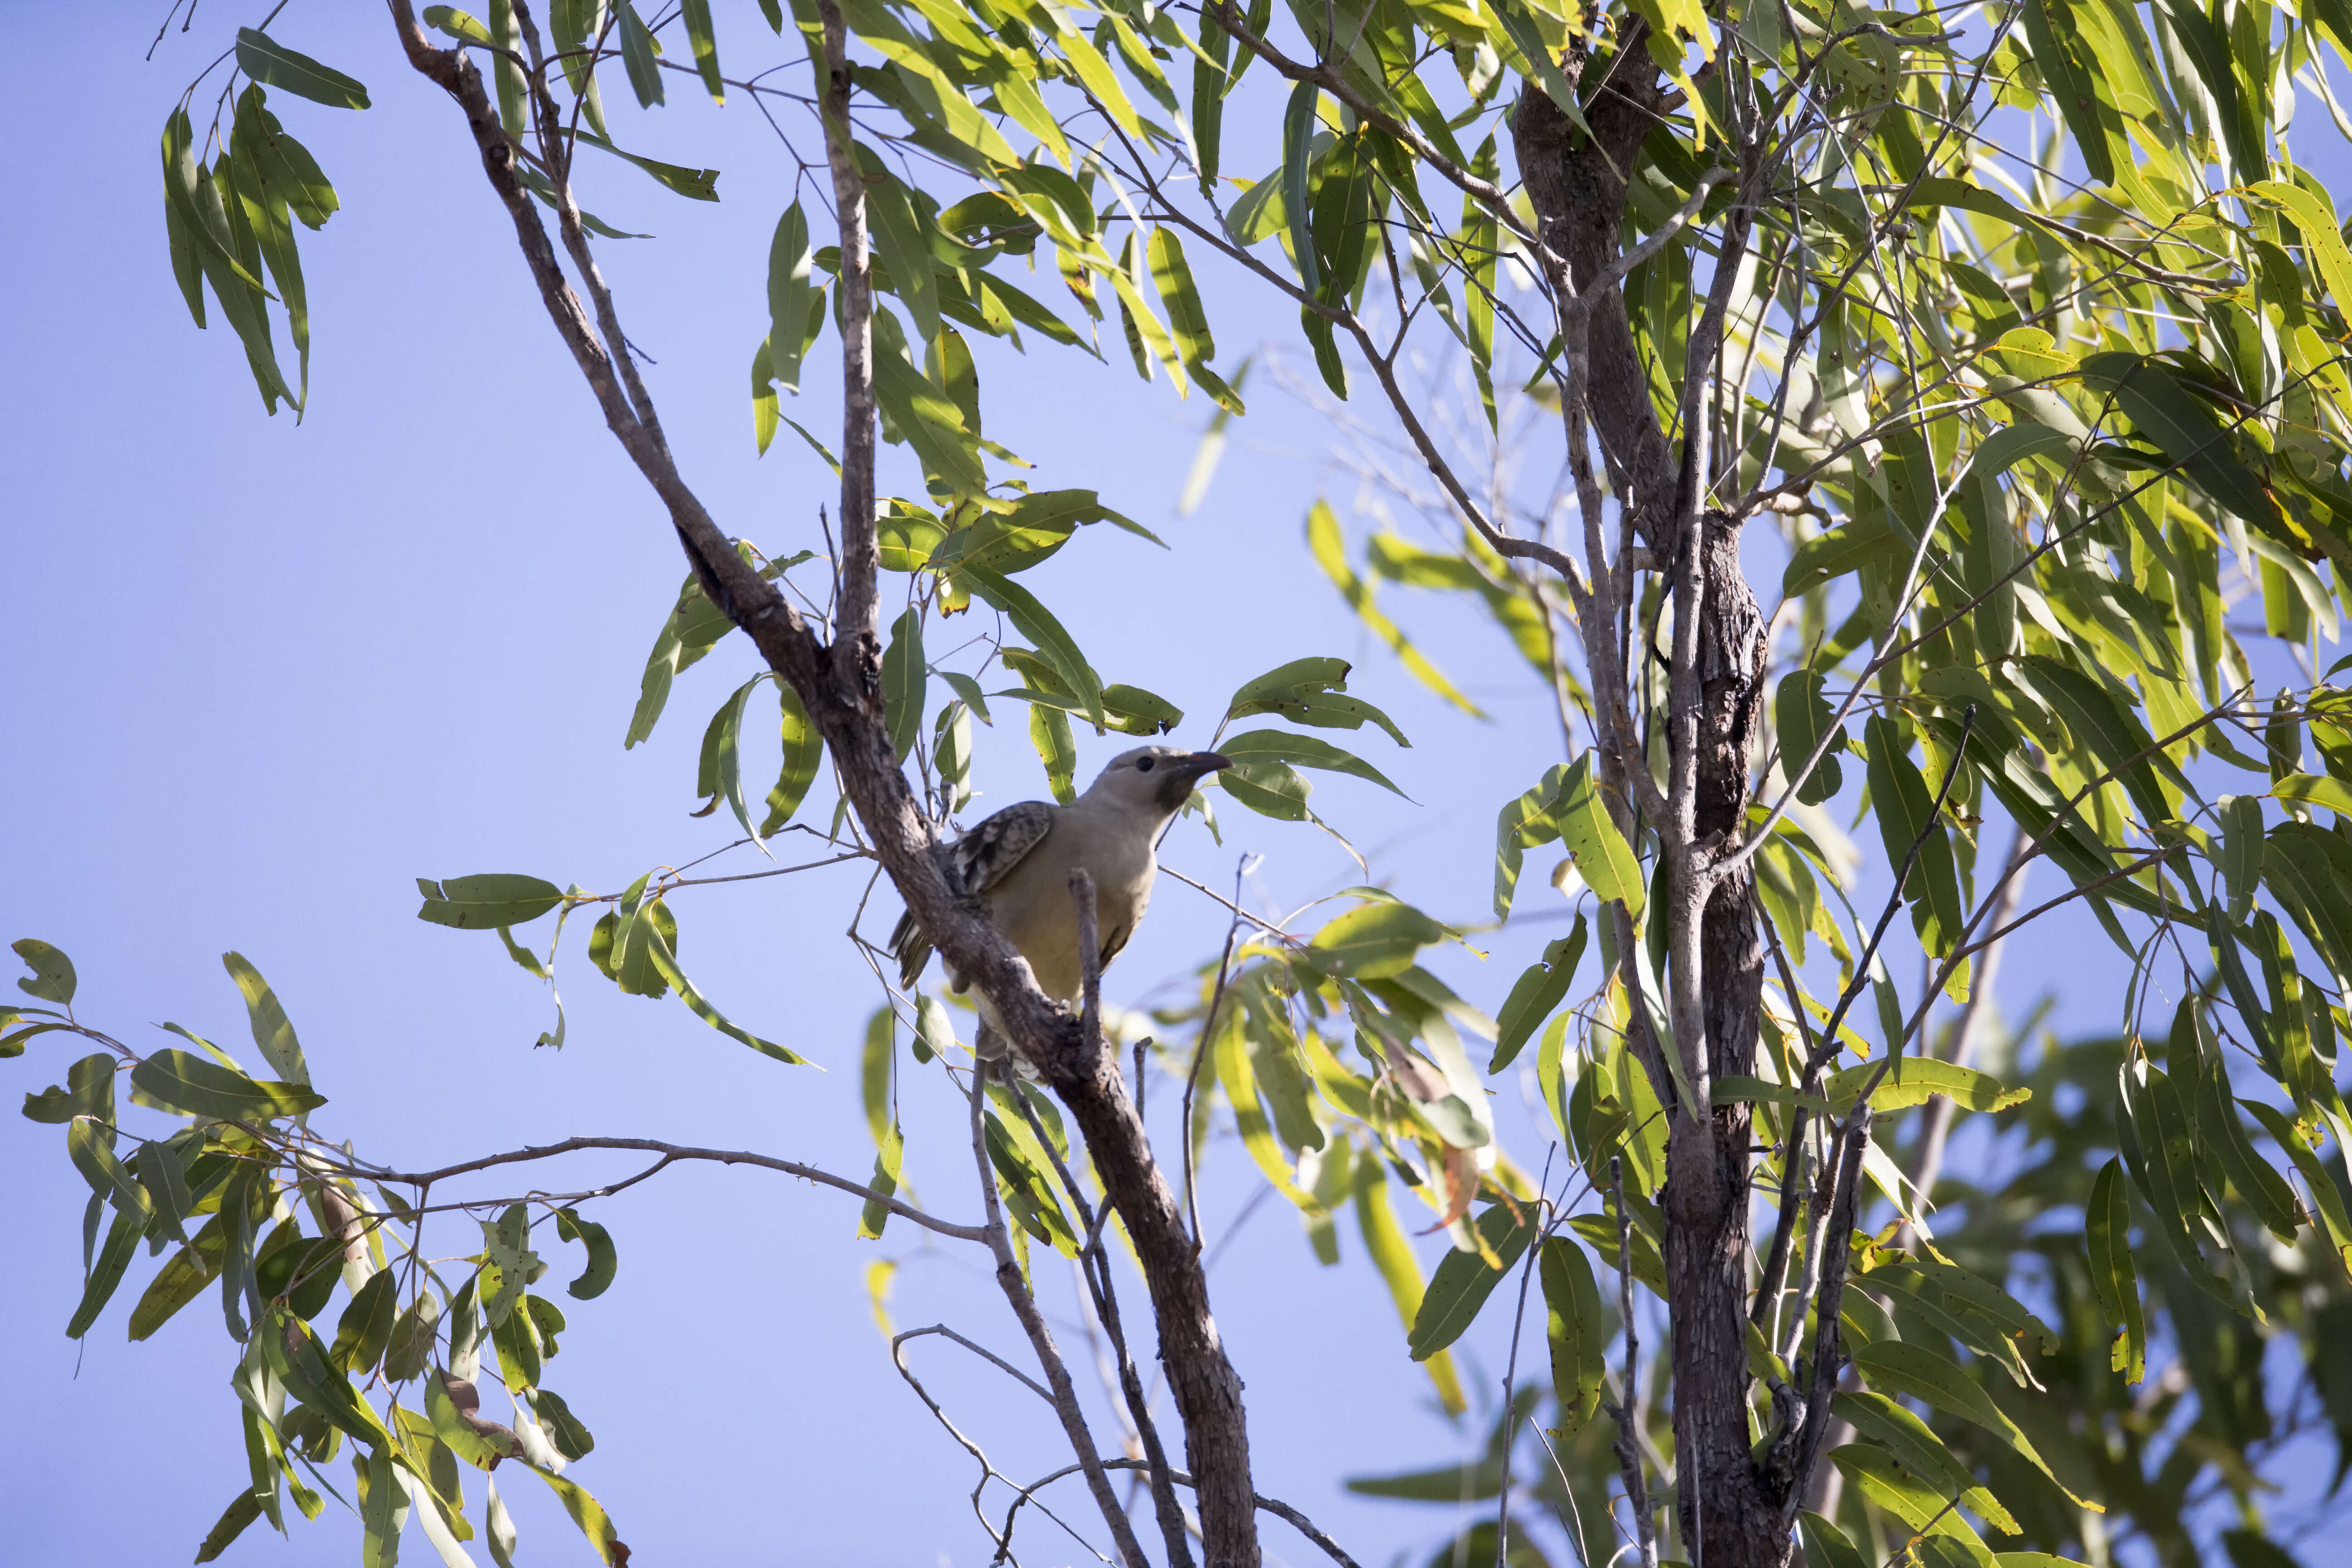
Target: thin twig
(1275,1506)
(671,1151)
(1628,1444)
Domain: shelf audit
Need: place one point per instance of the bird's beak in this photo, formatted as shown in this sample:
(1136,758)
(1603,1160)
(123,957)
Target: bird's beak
(1201,763)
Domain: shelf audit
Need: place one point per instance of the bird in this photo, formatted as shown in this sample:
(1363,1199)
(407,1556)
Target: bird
(1018,861)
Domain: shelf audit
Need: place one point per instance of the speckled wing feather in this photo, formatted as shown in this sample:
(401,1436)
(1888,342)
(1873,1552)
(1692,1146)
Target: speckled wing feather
(977,862)
(985,856)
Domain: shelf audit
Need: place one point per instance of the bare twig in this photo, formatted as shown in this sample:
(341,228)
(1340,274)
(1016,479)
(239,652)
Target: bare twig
(671,1153)
(1064,1396)
(1275,1506)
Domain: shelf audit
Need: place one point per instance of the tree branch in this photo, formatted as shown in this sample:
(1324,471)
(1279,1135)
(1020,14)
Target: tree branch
(841,689)
(672,1152)
(1065,1397)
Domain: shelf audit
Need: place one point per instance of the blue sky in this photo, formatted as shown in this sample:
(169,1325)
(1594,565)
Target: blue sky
(264,676)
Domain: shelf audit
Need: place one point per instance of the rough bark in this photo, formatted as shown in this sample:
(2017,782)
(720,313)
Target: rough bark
(1578,189)
(1731,1514)
(1728,1513)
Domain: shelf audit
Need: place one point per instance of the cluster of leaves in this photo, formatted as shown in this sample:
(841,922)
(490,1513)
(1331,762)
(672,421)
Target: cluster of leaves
(226,1175)
(2032,455)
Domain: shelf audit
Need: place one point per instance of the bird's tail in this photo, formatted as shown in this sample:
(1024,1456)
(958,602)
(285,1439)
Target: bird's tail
(912,948)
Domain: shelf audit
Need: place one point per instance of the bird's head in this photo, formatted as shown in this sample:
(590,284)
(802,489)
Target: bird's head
(1157,779)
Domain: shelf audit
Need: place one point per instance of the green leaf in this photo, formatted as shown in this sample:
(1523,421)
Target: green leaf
(53,972)
(640,54)
(1298,121)
(1907,814)
(706,48)
(1578,1327)
(2066,66)
(934,1030)
(89,1092)
(1540,989)
(2241,857)
(158,1168)
(1917,1503)
(1531,819)
(2107,1234)
(571,1436)
(898,239)
(1463,1281)
(1019,1159)
(803,750)
(1603,857)
(1034,622)
(106,1273)
(459,25)
(192,1084)
(90,1145)
(1256,747)
(587,1513)
(790,295)
(2185,429)
(365,1327)
(916,410)
(659,951)
(1827,1546)
(1917,1080)
(2159,1148)
(1392,1254)
(903,681)
(2323,237)
(698,184)
(1049,731)
(1310,691)
(1373,940)
(2106,726)
(242,1511)
(1899,1366)
(1801,716)
(272,1030)
(516,1343)
(486,901)
(411,1347)
(2311,789)
(1270,789)
(1915,1447)
(272,63)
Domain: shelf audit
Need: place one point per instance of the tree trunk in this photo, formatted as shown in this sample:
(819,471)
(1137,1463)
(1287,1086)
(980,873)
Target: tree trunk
(1730,1513)
(1729,1516)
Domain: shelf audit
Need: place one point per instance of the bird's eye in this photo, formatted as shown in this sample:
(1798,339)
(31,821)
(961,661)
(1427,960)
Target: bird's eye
(1144,765)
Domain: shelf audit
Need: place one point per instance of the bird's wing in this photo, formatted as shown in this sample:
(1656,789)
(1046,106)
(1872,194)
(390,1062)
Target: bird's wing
(1113,942)
(979,861)
(986,856)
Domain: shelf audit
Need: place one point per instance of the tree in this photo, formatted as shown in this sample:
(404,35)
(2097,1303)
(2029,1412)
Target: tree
(1785,267)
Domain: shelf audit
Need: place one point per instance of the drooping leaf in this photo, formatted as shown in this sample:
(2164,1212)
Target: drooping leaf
(193,1085)
(1541,988)
(1579,1328)
(268,61)
(1465,1279)
(1602,856)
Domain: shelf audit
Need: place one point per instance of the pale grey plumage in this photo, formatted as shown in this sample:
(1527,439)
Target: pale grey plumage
(1018,863)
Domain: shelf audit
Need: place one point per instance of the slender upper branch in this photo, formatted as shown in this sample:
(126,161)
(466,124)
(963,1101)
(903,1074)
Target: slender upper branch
(673,1152)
